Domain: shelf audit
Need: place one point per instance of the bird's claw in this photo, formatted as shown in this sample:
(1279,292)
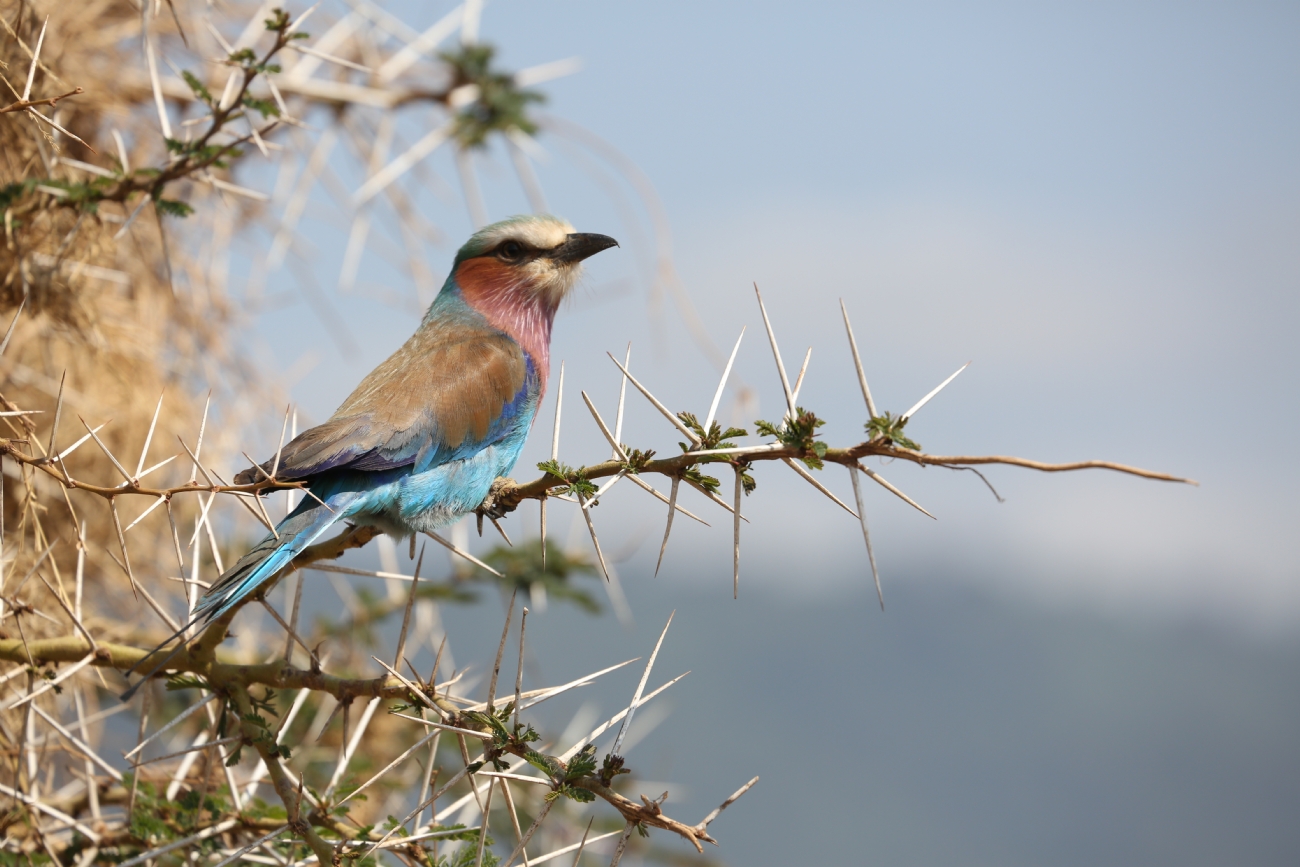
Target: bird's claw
(502,499)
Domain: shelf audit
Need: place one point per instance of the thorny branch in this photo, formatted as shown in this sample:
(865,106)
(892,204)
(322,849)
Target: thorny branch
(481,101)
(507,496)
(21,104)
(674,466)
(188,158)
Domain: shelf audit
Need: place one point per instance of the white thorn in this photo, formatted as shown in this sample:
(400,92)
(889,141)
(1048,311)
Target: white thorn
(36,55)
(10,332)
(600,492)
(879,479)
(726,372)
(668,528)
(600,422)
(640,688)
(559,405)
(622,399)
(149,436)
(677,423)
(735,556)
(808,477)
(857,362)
(459,552)
(923,401)
(866,535)
(798,382)
(586,515)
(776,353)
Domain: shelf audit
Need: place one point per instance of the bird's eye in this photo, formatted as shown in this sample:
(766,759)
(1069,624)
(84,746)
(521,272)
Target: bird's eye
(511,251)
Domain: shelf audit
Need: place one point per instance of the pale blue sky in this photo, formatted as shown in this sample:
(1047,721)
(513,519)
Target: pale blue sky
(1097,205)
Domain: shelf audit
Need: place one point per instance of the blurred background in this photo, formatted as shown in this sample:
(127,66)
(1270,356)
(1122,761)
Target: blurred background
(1095,204)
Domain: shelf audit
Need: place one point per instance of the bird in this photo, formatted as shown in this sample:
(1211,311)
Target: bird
(421,439)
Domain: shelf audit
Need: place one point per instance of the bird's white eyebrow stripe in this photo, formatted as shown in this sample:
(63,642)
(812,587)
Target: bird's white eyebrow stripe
(543,233)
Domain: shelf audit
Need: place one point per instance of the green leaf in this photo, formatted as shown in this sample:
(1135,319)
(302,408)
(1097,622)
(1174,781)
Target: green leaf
(889,428)
(489,720)
(197,86)
(574,793)
(523,568)
(256,719)
(185,681)
(501,106)
(612,767)
(709,483)
(798,433)
(278,21)
(636,459)
(548,765)
(582,764)
(173,208)
(578,483)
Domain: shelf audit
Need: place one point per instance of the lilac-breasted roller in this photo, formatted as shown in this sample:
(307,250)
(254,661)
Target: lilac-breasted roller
(421,439)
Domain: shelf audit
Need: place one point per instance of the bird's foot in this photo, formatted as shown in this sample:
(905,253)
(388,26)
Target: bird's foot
(502,499)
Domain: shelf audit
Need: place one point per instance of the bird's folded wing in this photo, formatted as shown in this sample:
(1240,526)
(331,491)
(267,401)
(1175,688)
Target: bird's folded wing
(447,392)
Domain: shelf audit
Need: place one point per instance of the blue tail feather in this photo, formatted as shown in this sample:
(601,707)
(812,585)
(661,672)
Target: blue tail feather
(300,529)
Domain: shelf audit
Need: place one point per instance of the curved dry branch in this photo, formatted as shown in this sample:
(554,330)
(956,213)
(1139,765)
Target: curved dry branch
(675,466)
(975,460)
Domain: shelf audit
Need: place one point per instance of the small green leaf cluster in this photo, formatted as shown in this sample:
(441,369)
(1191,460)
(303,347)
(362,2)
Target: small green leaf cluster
(11,193)
(708,483)
(246,60)
(514,739)
(203,154)
(713,438)
(495,722)
(612,767)
(563,777)
(186,681)
(747,481)
(636,459)
(524,568)
(465,856)
(501,105)
(266,703)
(578,483)
(371,833)
(799,433)
(264,107)
(264,737)
(155,820)
(279,20)
(889,429)
(83,195)
(173,207)
(201,92)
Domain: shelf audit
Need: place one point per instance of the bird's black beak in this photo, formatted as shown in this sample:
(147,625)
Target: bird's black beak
(579,246)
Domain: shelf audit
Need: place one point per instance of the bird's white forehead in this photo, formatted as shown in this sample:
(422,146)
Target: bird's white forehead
(540,233)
